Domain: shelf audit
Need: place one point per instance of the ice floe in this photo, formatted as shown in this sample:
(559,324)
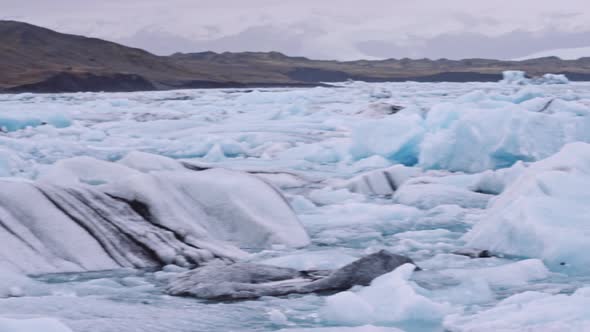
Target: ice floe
(391,298)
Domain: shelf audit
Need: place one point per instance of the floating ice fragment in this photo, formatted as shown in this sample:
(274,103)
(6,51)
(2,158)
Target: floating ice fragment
(277,317)
(391,298)
(512,274)
(428,196)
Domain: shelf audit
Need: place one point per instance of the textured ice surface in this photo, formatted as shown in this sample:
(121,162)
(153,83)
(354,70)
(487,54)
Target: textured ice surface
(382,182)
(463,156)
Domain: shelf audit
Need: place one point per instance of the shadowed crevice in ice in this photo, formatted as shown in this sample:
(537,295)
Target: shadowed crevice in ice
(382,182)
(222,281)
(127,237)
(473,253)
(143,210)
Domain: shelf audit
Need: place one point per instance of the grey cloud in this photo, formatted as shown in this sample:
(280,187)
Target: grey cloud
(265,38)
(337,29)
(473,45)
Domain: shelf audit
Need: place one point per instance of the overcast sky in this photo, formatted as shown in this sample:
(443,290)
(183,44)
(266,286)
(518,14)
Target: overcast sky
(327,29)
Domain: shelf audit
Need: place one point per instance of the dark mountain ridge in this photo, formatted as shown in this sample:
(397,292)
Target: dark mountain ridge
(36,59)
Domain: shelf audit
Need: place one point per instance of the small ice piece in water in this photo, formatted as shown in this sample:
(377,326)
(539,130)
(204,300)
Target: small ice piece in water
(381,93)
(382,182)
(428,196)
(514,77)
(277,317)
(12,283)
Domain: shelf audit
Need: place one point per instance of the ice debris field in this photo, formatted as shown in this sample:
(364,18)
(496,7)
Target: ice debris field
(108,200)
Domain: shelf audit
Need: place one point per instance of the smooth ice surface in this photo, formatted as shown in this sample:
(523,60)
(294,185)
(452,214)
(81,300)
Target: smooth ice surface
(530,311)
(513,274)
(32,325)
(406,167)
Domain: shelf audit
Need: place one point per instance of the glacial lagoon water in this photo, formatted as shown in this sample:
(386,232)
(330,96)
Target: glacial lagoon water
(456,153)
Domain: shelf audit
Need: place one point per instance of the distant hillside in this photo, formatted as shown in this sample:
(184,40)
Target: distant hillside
(36,59)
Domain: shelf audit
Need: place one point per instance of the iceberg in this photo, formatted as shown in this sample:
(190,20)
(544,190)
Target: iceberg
(123,217)
(554,79)
(514,77)
(520,78)
(543,213)
(456,136)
